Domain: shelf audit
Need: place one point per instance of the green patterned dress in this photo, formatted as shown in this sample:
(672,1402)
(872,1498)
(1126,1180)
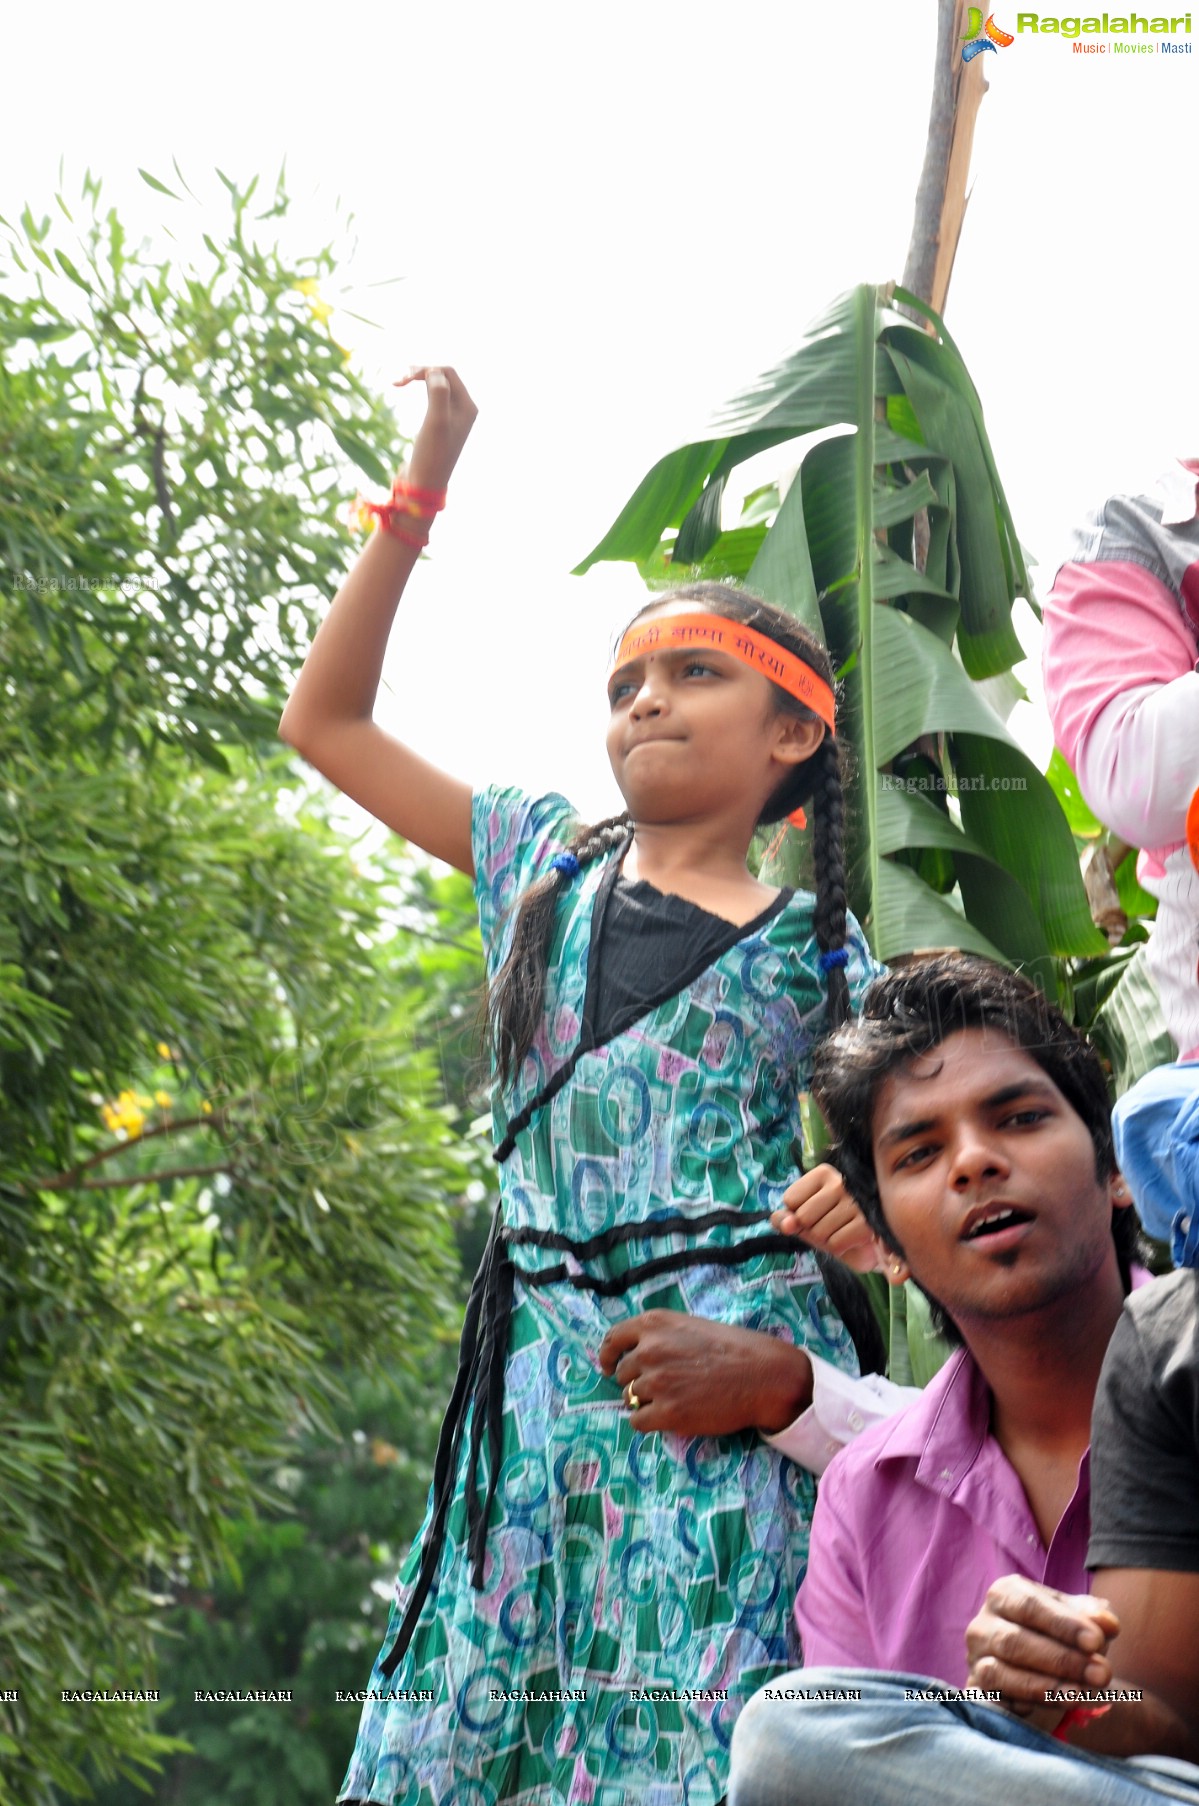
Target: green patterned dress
(637,1588)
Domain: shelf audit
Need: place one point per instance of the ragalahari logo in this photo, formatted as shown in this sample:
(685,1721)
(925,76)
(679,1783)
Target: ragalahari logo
(983,37)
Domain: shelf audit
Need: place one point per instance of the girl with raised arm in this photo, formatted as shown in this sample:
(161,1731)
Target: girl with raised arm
(612,1544)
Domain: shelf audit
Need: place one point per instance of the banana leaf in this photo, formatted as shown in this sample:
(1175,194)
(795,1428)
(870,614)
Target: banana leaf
(905,463)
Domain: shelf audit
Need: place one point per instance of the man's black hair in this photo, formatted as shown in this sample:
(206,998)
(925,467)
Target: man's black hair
(910,1011)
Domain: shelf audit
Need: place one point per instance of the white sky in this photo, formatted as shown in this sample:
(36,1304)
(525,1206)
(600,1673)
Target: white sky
(610,219)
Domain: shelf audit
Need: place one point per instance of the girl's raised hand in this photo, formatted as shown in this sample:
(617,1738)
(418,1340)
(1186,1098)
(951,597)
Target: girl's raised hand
(818,1208)
(446,427)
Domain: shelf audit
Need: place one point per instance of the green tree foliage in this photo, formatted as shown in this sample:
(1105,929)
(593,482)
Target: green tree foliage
(305,1610)
(225,1155)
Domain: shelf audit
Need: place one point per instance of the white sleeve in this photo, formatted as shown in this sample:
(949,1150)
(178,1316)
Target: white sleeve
(843,1405)
(1139,763)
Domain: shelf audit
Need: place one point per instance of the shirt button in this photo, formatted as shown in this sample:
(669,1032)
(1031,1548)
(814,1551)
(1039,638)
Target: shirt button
(856,1420)
(947,1473)
(1030,1540)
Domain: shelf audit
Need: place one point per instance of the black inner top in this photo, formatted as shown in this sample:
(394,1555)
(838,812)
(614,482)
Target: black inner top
(651,946)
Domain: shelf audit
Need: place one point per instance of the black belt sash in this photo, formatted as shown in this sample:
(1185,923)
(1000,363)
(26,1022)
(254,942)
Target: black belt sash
(483,1352)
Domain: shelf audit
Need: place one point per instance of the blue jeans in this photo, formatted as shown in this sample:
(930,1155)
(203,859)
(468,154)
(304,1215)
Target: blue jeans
(885,1750)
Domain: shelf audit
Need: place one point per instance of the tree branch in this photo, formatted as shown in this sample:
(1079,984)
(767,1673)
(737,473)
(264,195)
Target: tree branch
(68,1182)
(64,1181)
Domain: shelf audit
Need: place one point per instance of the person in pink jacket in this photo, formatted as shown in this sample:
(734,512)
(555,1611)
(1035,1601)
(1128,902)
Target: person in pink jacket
(1120,651)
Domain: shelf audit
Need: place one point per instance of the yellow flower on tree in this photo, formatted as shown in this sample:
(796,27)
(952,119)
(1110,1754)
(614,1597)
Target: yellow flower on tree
(310,289)
(128,1115)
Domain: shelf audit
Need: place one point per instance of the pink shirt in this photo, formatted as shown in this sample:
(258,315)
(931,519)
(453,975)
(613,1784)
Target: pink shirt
(913,1522)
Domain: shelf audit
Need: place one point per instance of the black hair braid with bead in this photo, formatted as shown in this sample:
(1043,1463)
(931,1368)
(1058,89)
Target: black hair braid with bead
(516,997)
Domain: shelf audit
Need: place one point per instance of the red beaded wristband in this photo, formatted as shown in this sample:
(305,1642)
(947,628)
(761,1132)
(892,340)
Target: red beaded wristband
(408,502)
(434,499)
(384,514)
(1078,1715)
(401,533)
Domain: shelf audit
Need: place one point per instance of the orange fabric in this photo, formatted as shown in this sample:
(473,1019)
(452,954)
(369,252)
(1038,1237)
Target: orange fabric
(1193,829)
(715,633)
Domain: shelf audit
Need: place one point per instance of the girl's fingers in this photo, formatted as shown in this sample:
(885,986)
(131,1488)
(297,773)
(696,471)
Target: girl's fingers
(441,374)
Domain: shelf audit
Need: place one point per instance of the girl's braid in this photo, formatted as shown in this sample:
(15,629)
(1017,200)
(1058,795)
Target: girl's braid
(845,1290)
(828,858)
(517,997)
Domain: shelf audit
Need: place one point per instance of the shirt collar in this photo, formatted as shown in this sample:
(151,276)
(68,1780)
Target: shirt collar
(1176,487)
(946,1427)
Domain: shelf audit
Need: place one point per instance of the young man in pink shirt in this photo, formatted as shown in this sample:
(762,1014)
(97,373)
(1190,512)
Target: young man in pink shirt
(972,1124)
(972,1167)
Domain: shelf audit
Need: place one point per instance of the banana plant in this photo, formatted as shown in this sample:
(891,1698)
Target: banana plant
(1114,998)
(890,537)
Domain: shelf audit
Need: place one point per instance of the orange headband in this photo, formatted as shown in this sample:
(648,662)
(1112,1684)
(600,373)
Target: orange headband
(716,633)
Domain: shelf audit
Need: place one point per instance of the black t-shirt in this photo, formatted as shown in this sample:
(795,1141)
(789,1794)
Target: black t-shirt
(652,945)
(1145,1433)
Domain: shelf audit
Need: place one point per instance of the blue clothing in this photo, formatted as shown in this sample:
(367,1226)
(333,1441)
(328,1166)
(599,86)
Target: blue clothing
(884,1749)
(1156,1131)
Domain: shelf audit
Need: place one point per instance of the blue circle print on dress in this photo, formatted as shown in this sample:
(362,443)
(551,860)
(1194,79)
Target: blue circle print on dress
(697,1785)
(643,1455)
(476,1709)
(638,1575)
(397,1772)
(584,1467)
(676,1627)
(567,1367)
(724,1715)
(713,1130)
(624,1105)
(524,1485)
(632,1730)
(712,1461)
(591,1195)
(472,1793)
(527,1616)
(754,1582)
(763,971)
(687,1529)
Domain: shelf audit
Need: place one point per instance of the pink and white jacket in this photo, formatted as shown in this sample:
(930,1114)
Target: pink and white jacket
(1120,650)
